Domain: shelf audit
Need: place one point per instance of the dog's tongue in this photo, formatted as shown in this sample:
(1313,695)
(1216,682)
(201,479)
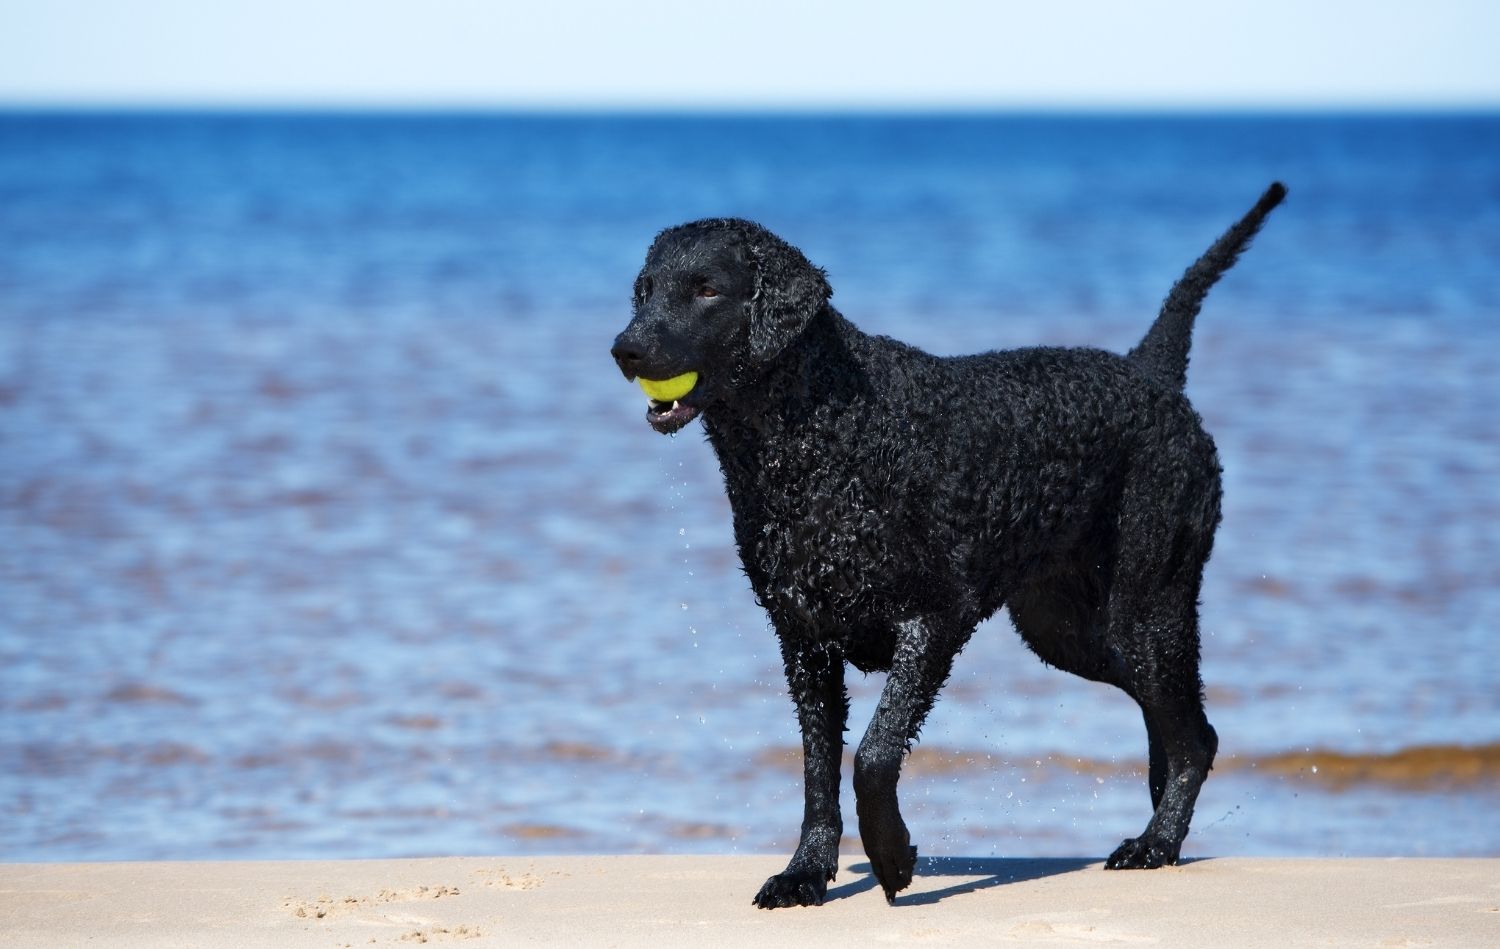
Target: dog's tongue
(669,390)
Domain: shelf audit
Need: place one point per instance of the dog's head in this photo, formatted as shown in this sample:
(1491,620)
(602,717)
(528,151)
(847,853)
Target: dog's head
(716,302)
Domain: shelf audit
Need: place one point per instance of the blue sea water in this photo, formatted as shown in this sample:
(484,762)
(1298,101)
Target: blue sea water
(327,527)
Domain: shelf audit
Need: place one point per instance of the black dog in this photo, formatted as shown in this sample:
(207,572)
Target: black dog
(886,501)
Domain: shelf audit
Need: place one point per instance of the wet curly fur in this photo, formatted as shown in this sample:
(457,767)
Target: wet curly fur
(886,501)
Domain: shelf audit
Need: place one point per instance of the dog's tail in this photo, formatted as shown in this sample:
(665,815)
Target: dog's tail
(1163,352)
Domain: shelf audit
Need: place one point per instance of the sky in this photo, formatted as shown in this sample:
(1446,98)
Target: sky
(752,54)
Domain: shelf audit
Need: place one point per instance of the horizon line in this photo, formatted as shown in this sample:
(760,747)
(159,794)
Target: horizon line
(1143,108)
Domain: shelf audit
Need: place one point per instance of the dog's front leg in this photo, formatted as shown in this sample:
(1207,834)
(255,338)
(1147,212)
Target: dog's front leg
(815,675)
(925,648)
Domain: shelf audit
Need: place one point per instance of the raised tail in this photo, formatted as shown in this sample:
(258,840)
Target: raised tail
(1163,352)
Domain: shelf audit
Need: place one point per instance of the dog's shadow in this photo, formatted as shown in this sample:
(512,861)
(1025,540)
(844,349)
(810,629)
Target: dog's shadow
(989,871)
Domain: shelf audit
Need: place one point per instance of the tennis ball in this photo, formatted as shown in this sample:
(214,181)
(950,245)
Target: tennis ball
(669,390)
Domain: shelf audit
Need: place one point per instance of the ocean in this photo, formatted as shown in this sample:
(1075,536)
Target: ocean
(329,529)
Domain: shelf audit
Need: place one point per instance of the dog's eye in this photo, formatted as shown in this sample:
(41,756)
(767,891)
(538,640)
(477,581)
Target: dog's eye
(707,291)
(646,288)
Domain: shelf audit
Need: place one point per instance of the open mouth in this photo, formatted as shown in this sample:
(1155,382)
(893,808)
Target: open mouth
(667,412)
(668,417)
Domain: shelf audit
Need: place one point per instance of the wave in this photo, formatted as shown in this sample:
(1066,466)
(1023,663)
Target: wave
(1420,767)
(1416,768)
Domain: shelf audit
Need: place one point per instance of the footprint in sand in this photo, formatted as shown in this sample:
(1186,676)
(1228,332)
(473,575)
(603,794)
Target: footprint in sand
(321,908)
(1038,930)
(440,934)
(325,907)
(502,879)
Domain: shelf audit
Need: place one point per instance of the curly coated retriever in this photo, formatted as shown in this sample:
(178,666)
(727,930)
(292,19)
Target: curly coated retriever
(886,501)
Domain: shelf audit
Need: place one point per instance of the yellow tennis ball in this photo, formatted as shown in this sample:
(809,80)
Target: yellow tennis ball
(669,390)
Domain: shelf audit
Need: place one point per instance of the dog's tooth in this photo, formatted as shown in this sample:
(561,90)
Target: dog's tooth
(676,405)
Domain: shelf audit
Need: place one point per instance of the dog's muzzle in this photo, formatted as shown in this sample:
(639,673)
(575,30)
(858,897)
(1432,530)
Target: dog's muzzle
(670,400)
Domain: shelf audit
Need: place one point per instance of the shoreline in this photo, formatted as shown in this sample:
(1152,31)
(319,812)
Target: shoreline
(665,901)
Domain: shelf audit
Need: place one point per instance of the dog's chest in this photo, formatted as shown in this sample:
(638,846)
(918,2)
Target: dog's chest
(820,541)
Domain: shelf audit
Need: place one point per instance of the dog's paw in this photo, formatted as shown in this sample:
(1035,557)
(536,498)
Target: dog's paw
(794,888)
(894,868)
(1146,852)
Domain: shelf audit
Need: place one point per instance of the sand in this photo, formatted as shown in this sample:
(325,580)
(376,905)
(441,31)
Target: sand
(705,901)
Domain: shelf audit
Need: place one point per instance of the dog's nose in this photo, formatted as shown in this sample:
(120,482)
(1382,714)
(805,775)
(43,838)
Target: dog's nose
(628,355)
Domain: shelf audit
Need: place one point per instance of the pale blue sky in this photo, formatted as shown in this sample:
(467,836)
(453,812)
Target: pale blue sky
(755,53)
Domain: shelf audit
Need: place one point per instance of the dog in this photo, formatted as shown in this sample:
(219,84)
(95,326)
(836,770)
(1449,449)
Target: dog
(886,501)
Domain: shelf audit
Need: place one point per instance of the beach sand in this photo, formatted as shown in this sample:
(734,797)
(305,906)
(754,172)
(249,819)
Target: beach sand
(696,901)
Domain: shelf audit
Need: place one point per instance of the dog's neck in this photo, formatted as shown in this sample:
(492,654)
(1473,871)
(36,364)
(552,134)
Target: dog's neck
(818,369)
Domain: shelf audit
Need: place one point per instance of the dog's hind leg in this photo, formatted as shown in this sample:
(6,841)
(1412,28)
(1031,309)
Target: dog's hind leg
(1063,621)
(925,648)
(1183,745)
(1153,625)
(815,677)
(1183,748)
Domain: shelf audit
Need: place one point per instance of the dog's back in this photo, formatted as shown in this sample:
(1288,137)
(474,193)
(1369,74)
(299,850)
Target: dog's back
(958,476)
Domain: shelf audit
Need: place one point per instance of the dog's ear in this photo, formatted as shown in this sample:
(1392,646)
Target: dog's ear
(789,292)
